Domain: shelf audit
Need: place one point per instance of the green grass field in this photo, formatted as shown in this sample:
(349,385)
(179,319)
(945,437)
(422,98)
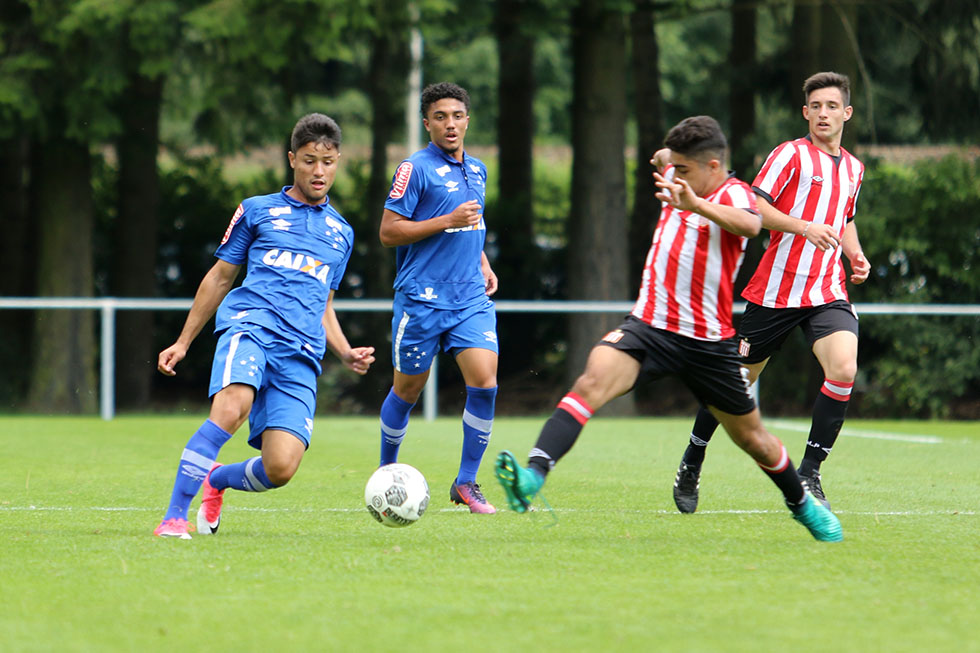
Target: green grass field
(305,568)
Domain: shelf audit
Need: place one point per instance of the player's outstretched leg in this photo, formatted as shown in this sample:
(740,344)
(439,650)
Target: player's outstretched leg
(520,485)
(209,514)
(822,524)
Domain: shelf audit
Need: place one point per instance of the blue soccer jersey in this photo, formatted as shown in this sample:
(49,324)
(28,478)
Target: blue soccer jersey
(444,269)
(295,254)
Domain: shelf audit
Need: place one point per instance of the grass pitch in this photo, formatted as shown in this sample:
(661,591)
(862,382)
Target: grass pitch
(614,567)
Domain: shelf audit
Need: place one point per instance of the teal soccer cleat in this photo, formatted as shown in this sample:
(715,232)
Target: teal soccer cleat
(520,484)
(822,524)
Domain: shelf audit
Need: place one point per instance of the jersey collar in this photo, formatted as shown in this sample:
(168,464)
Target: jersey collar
(438,151)
(295,202)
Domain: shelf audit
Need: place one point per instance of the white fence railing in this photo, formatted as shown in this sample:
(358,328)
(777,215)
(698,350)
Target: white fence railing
(108,306)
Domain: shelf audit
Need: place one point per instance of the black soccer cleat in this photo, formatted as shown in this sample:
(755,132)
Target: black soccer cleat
(811,483)
(686,485)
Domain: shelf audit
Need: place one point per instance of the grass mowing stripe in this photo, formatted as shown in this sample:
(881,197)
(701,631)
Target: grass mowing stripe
(802,427)
(306,568)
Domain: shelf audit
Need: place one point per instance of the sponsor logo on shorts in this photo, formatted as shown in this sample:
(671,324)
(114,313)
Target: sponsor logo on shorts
(613,336)
(234,219)
(428,294)
(491,336)
(743,347)
(402,175)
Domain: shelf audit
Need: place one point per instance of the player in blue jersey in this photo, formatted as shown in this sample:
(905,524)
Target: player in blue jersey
(434,216)
(273,331)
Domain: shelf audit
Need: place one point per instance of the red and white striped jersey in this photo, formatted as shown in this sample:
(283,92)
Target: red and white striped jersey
(688,276)
(807,183)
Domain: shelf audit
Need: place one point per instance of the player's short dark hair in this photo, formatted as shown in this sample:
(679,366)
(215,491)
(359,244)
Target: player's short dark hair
(440,91)
(828,80)
(315,128)
(698,137)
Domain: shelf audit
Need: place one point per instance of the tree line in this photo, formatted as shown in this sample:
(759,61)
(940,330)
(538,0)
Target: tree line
(116,120)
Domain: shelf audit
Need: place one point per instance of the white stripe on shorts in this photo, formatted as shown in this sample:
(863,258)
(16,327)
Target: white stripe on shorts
(399,333)
(232,348)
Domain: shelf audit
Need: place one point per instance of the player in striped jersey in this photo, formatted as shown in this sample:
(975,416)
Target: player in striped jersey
(680,326)
(807,190)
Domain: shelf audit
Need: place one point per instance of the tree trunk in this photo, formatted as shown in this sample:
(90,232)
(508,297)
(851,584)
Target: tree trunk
(650,136)
(513,221)
(135,236)
(742,111)
(838,51)
(63,368)
(742,89)
(806,49)
(598,224)
(17,255)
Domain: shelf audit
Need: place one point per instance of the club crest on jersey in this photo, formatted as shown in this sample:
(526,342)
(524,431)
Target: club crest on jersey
(299,262)
(231,225)
(613,336)
(402,175)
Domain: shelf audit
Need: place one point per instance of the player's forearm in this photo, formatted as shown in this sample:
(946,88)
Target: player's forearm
(850,242)
(775,220)
(212,290)
(738,221)
(402,231)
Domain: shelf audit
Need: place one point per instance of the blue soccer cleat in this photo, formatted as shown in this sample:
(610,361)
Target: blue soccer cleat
(822,524)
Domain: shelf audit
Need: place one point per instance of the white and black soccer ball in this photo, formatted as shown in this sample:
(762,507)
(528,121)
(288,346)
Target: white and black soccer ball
(397,495)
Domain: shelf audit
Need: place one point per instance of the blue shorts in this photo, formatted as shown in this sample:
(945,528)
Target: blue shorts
(418,331)
(283,375)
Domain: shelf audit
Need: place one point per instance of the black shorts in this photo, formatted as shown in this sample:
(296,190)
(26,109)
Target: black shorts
(762,330)
(711,370)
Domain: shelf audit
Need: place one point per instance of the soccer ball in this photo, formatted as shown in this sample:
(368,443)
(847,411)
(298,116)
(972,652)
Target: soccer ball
(397,495)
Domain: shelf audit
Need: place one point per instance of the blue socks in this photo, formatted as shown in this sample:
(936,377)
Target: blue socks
(195,463)
(394,423)
(477,427)
(248,476)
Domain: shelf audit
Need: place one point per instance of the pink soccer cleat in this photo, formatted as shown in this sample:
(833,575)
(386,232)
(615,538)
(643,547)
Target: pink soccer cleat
(470,494)
(209,514)
(173,527)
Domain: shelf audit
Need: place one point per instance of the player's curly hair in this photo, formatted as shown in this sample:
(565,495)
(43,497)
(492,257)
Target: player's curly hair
(440,91)
(698,137)
(828,80)
(315,128)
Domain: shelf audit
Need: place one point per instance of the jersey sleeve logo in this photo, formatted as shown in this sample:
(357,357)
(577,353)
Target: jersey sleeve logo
(402,175)
(234,219)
